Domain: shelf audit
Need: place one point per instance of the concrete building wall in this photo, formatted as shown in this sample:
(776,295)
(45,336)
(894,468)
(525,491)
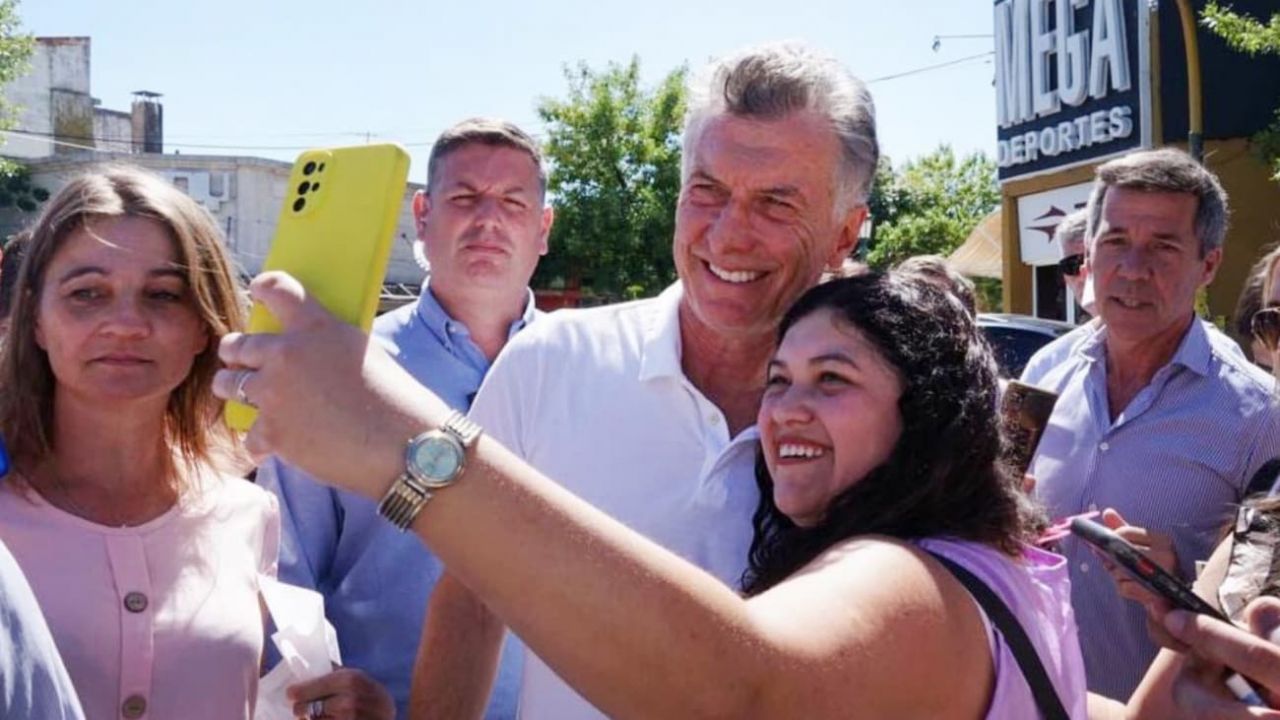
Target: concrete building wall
(72,113)
(112,130)
(59,66)
(54,99)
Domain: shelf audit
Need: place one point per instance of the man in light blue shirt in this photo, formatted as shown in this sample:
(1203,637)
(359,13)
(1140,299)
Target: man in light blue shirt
(483,224)
(33,681)
(1159,415)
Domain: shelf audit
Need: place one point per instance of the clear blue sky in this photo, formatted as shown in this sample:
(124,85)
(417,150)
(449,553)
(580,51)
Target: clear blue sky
(250,73)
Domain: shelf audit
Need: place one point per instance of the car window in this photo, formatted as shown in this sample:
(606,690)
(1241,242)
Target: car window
(1013,347)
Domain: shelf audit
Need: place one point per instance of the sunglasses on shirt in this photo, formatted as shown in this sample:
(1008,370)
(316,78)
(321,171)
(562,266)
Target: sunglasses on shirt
(1071,265)
(1266,327)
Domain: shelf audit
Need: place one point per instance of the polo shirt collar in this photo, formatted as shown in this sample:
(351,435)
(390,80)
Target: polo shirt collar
(660,355)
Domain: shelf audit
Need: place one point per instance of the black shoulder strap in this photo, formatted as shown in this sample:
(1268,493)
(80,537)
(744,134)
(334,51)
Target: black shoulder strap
(1023,651)
(1263,478)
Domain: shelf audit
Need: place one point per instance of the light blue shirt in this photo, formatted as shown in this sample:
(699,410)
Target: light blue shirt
(33,681)
(375,579)
(1175,460)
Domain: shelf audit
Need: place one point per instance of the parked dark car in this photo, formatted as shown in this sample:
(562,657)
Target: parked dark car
(1015,338)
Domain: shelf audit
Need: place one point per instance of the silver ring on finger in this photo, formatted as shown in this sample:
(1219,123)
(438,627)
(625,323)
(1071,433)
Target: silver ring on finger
(241,396)
(315,710)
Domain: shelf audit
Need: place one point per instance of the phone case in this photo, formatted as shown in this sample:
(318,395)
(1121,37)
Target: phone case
(1025,411)
(334,235)
(1141,568)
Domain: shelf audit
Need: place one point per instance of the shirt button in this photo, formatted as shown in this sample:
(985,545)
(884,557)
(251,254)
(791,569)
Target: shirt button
(714,419)
(134,706)
(1105,447)
(135,602)
(1084,567)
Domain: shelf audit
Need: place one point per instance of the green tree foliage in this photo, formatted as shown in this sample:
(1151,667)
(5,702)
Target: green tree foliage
(16,190)
(614,151)
(16,47)
(15,53)
(1253,37)
(929,205)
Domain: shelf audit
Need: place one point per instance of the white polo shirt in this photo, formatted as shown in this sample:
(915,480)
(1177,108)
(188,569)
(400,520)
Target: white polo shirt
(596,400)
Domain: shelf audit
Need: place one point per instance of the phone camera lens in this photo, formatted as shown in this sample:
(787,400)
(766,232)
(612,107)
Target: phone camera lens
(309,168)
(299,204)
(304,187)
(315,187)
(321,168)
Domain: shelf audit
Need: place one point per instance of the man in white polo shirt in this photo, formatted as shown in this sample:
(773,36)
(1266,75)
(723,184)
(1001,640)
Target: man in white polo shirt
(646,409)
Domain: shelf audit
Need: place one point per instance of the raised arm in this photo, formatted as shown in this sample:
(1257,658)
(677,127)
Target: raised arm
(635,629)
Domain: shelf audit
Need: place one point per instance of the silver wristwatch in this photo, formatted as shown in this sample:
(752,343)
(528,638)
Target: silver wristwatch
(433,460)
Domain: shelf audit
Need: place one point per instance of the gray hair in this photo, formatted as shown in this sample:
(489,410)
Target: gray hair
(936,269)
(1071,229)
(772,81)
(1165,170)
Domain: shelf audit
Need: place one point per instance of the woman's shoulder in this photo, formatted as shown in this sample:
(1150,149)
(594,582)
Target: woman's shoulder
(1031,571)
(882,565)
(876,596)
(221,492)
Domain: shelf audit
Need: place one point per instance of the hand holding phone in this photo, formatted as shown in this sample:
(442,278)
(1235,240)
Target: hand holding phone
(1142,568)
(1160,582)
(334,235)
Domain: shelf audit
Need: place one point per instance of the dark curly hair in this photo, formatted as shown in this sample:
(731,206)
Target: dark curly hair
(946,475)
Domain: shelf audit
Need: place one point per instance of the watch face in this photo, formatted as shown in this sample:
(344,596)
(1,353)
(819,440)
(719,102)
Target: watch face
(436,459)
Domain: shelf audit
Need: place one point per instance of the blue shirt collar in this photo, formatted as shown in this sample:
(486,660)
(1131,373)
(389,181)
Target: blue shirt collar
(661,354)
(1193,353)
(444,327)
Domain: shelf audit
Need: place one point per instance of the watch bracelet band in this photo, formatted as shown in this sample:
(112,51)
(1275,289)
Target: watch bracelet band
(406,497)
(403,501)
(462,427)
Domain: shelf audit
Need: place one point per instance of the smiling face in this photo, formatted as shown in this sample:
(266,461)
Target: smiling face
(483,223)
(829,414)
(1146,263)
(115,316)
(756,221)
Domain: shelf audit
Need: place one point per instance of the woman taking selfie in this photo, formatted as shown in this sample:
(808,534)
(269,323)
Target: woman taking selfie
(880,465)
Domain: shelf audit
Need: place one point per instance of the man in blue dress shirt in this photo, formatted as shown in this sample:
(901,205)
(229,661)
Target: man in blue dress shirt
(483,224)
(1159,415)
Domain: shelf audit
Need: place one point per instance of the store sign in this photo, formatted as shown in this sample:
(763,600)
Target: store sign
(1039,215)
(1071,82)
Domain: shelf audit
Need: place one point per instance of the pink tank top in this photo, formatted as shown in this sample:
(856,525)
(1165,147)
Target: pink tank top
(1036,588)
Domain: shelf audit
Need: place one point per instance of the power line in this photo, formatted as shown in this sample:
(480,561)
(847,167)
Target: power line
(936,66)
(62,143)
(60,139)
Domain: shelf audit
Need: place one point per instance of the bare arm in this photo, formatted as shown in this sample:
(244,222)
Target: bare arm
(637,630)
(1104,708)
(1154,697)
(458,657)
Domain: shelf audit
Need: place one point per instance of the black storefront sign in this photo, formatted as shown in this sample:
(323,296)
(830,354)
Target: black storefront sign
(1072,82)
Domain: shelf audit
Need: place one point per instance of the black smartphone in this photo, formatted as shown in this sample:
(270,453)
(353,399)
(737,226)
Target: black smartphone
(1141,567)
(1155,579)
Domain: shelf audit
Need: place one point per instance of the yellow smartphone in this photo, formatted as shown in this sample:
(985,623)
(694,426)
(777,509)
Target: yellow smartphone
(334,235)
